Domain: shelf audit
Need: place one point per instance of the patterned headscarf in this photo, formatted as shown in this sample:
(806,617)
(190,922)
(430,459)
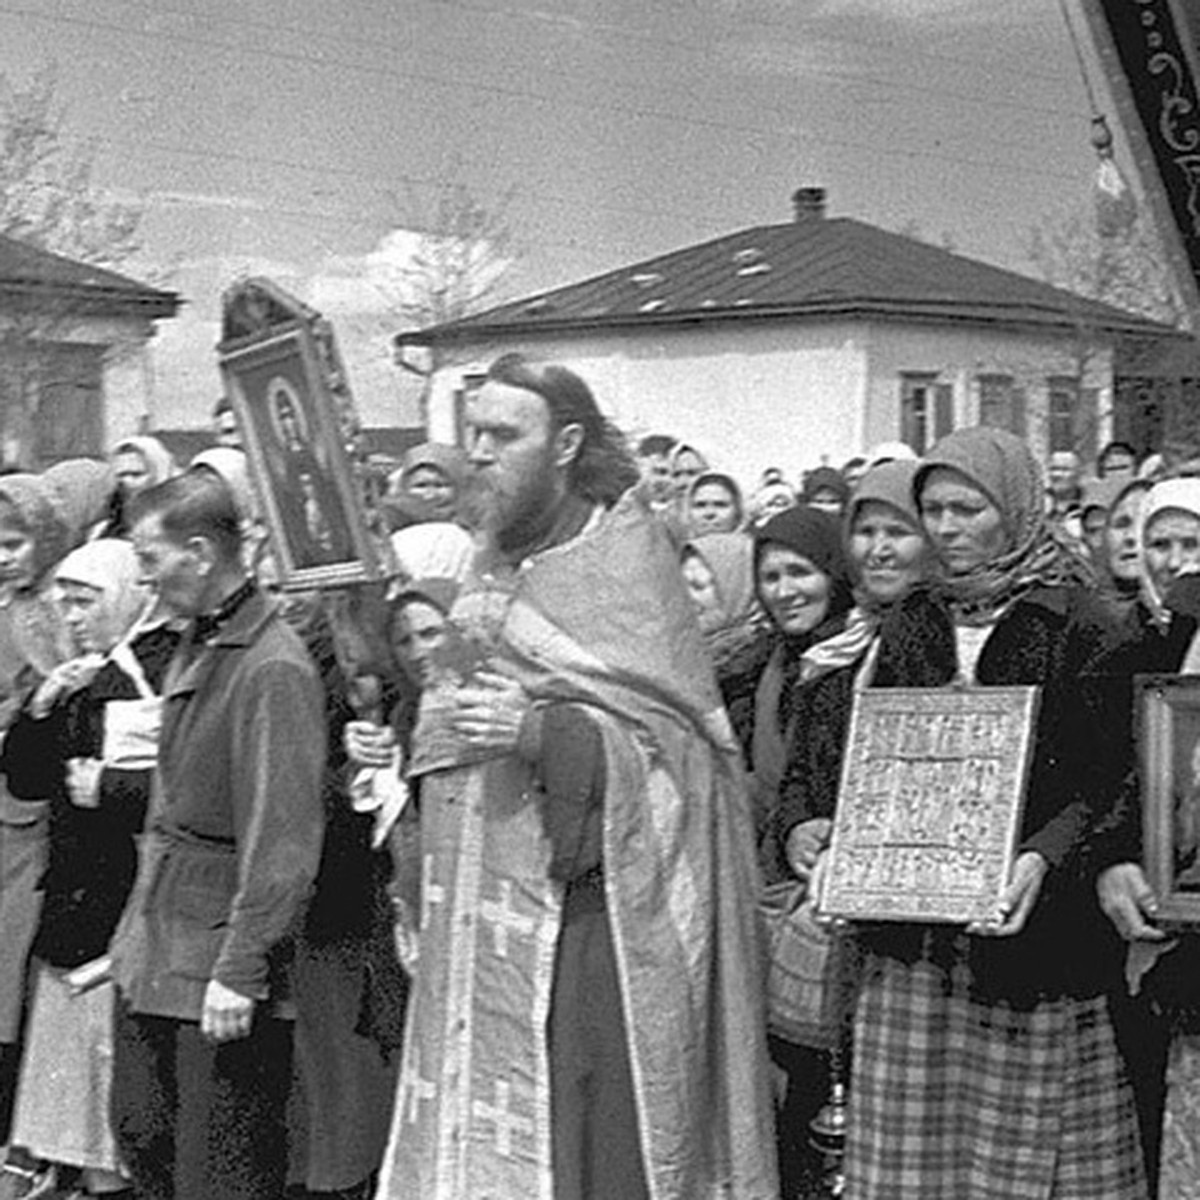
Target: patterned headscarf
(1001,466)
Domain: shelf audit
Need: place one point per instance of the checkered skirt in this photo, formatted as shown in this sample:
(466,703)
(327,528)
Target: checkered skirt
(957,1098)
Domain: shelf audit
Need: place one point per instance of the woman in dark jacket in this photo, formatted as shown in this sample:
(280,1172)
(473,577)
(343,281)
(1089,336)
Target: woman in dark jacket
(985,1063)
(889,554)
(87,739)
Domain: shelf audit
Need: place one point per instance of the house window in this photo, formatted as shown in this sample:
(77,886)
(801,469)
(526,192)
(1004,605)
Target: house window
(1073,416)
(68,422)
(926,410)
(469,386)
(1001,403)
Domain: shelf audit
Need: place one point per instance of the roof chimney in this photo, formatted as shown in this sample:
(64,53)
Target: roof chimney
(809,203)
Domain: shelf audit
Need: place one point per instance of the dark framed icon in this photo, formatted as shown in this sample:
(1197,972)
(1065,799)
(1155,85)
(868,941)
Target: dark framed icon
(930,802)
(286,411)
(1168,708)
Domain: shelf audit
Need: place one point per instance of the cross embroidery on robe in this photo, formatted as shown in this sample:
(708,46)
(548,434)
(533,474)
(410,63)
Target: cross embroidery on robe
(505,1121)
(504,918)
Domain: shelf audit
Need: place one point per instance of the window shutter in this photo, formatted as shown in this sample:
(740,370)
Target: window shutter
(1018,412)
(943,410)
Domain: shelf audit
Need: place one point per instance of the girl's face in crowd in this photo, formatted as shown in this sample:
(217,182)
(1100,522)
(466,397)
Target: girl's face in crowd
(430,485)
(418,632)
(889,553)
(16,556)
(82,608)
(965,527)
(794,590)
(686,466)
(133,475)
(1172,546)
(701,585)
(713,509)
(1122,542)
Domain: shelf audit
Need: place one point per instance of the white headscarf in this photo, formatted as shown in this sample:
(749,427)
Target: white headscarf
(110,566)
(434,550)
(1173,495)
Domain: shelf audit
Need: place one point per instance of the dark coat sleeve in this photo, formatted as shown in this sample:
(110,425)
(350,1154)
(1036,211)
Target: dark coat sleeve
(278,815)
(570,766)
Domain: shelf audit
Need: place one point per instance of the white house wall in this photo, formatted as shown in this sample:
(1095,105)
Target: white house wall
(753,396)
(748,397)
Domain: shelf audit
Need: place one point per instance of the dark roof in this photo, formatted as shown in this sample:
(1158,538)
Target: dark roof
(30,273)
(814,267)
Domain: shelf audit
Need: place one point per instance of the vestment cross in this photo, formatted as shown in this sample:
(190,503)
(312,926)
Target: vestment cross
(414,1089)
(431,893)
(503,917)
(506,1123)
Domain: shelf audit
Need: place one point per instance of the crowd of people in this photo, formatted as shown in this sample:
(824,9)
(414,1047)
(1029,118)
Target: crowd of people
(495,889)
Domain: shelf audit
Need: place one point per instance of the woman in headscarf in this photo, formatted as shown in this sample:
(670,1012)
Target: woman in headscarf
(826,489)
(775,495)
(1096,500)
(889,554)
(719,572)
(713,504)
(1155,543)
(686,463)
(1120,560)
(81,491)
(87,738)
(429,482)
(984,1058)
(33,537)
(803,581)
(138,463)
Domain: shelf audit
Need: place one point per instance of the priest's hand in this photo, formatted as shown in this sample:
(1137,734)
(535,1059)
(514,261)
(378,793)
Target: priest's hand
(1127,900)
(368,744)
(226,1015)
(1019,897)
(490,711)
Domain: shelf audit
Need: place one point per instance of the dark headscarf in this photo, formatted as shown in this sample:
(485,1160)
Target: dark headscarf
(816,536)
(825,479)
(450,462)
(1001,466)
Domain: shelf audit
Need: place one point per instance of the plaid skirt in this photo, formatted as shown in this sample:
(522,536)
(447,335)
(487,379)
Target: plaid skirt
(1181,1122)
(957,1098)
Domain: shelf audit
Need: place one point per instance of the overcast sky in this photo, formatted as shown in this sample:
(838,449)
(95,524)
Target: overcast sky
(296,137)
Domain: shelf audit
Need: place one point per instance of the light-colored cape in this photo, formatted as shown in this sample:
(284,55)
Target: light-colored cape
(603,622)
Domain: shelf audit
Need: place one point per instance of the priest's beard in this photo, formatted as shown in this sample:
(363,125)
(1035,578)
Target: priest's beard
(514,509)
